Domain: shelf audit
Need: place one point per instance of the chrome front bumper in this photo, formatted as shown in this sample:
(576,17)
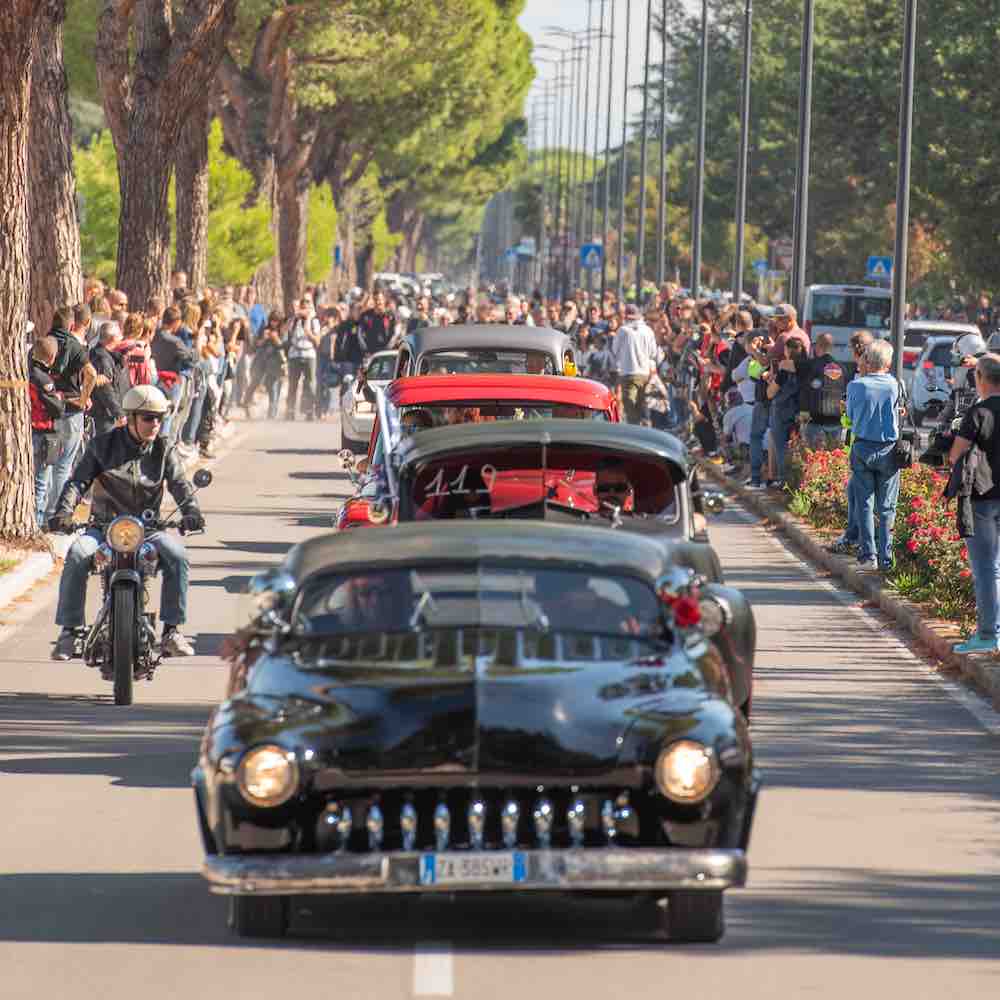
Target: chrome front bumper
(567,870)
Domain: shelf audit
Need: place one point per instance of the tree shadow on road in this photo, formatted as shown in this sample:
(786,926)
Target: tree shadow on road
(142,746)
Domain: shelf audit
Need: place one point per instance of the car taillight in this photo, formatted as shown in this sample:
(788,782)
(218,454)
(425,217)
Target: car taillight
(929,366)
(910,357)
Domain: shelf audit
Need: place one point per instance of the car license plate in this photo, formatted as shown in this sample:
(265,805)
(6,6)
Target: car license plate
(501,868)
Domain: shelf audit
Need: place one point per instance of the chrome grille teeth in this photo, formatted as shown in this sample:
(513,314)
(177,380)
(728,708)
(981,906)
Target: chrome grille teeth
(608,822)
(408,826)
(375,823)
(442,826)
(477,822)
(335,825)
(575,816)
(510,817)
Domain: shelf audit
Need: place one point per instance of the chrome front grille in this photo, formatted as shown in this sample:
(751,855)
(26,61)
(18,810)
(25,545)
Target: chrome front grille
(486,819)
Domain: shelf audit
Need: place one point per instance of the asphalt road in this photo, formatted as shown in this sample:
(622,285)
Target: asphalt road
(875,868)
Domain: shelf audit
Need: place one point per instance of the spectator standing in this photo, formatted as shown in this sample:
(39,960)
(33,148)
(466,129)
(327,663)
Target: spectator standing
(873,409)
(74,377)
(47,407)
(174,362)
(303,339)
(980,428)
(634,356)
(256,312)
(109,361)
(269,366)
(822,386)
(757,368)
(783,392)
(786,327)
(378,324)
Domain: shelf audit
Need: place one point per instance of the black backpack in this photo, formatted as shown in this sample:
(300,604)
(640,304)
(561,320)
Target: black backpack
(823,390)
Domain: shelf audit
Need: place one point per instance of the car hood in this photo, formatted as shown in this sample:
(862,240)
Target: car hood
(554,717)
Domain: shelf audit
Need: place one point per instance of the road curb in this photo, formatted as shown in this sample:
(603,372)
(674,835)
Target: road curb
(19,581)
(937,637)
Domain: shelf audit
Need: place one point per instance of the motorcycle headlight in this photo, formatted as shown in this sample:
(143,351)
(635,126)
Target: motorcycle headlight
(686,772)
(125,534)
(268,776)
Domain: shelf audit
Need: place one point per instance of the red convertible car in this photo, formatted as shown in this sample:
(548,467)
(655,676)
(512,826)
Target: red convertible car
(430,401)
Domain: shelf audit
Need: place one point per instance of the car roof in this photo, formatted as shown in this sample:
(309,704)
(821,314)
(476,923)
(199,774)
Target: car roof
(494,336)
(635,440)
(941,326)
(842,289)
(498,386)
(430,542)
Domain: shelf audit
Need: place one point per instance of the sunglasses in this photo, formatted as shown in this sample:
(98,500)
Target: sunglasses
(613,488)
(150,418)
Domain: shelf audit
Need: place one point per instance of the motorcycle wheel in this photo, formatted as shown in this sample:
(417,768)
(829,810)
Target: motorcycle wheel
(123,643)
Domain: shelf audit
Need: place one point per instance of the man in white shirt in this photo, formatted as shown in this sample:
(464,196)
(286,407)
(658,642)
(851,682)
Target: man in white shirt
(633,356)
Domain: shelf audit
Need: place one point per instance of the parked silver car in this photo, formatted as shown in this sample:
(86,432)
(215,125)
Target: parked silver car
(357,404)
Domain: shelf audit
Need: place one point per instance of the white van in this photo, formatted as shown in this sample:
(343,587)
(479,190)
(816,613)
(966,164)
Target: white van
(840,310)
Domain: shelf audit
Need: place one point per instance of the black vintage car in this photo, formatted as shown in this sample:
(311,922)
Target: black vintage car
(555,470)
(451,708)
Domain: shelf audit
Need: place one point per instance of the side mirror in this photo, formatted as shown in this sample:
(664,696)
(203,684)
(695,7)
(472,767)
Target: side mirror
(202,478)
(272,593)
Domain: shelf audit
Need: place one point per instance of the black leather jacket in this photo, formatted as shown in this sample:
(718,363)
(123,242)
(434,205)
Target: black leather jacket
(128,478)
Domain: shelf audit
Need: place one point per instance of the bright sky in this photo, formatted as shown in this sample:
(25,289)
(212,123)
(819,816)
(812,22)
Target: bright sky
(572,15)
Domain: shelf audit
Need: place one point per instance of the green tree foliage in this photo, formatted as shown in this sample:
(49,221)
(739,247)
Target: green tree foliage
(321,233)
(239,237)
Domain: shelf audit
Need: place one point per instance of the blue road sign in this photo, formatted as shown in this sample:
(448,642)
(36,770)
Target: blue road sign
(879,268)
(592,256)
(760,266)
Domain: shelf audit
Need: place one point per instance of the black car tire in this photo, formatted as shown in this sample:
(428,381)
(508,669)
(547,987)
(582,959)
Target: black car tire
(123,643)
(258,916)
(695,917)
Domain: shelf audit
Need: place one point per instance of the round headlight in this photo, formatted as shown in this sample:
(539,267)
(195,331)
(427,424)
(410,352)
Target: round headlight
(125,534)
(686,771)
(268,776)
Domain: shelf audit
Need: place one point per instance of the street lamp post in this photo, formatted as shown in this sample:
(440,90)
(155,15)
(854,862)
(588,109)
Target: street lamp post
(699,181)
(644,146)
(607,155)
(597,110)
(581,239)
(903,186)
(801,223)
(741,177)
(623,173)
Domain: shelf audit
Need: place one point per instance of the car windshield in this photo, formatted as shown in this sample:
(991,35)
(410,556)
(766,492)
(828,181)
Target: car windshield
(844,309)
(487,359)
(505,596)
(534,483)
(423,416)
(381,369)
(940,356)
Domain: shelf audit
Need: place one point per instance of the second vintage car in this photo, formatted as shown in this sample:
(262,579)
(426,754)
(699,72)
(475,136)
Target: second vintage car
(457,708)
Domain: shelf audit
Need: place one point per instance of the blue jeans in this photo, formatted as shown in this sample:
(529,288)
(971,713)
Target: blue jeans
(984,559)
(43,473)
(189,432)
(823,437)
(70,438)
(782,423)
(758,428)
(71,609)
(875,482)
(274,397)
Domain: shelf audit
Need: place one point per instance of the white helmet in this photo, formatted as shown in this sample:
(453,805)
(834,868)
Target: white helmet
(971,344)
(145,399)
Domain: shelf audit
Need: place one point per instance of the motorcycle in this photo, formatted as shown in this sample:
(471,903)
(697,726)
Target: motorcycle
(122,641)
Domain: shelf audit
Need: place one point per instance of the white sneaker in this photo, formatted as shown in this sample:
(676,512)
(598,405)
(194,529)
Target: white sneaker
(174,643)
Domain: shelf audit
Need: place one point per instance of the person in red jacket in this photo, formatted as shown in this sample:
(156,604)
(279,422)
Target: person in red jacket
(47,406)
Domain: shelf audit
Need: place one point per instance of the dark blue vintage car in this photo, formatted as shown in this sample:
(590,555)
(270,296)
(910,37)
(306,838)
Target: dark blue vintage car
(462,707)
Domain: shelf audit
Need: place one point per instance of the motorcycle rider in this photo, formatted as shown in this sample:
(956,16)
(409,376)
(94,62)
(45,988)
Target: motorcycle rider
(129,467)
(965,352)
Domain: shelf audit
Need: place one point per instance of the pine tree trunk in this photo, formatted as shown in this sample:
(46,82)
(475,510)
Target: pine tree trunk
(347,273)
(192,196)
(144,223)
(55,273)
(293,214)
(18,25)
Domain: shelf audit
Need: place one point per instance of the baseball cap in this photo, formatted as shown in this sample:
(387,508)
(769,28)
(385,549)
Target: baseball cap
(782,312)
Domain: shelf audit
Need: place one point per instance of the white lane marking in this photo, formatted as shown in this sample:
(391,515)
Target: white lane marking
(973,703)
(433,969)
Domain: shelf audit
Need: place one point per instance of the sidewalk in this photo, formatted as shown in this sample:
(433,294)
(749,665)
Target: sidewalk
(935,635)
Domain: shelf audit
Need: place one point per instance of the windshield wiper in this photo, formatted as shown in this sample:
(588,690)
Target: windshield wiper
(532,609)
(425,604)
